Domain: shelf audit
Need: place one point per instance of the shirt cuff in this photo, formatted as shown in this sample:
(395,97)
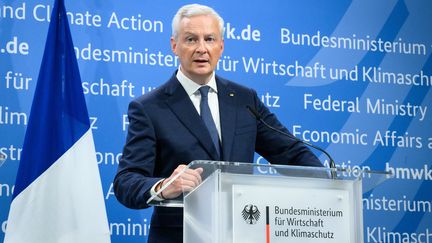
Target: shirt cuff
(153,192)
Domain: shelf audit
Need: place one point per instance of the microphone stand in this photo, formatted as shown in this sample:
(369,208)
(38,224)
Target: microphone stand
(331,163)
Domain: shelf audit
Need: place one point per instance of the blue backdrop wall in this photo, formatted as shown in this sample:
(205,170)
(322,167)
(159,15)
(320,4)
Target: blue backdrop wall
(351,76)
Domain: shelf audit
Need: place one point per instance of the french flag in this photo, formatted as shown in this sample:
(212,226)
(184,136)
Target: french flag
(58,193)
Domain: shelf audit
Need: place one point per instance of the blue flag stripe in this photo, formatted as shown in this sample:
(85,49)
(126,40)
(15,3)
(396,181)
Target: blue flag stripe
(58,116)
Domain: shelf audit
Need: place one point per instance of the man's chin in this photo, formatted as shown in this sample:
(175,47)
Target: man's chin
(201,77)
(202,71)
(201,66)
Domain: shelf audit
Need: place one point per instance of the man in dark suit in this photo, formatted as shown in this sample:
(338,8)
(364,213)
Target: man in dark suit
(195,115)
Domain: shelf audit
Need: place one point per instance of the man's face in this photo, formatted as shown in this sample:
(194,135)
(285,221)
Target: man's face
(199,46)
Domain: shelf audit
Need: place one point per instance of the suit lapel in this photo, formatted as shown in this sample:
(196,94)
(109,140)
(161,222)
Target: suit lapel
(227,111)
(180,103)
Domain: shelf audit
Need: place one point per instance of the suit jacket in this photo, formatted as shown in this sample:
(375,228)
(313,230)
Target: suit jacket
(165,130)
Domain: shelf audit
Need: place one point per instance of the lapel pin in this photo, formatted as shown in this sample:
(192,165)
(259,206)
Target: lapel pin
(231,94)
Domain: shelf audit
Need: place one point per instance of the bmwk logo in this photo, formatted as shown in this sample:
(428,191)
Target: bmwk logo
(251,214)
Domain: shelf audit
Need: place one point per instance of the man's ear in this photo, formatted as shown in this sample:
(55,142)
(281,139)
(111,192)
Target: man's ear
(173,45)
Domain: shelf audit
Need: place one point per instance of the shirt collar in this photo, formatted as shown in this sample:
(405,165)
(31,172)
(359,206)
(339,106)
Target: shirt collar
(191,87)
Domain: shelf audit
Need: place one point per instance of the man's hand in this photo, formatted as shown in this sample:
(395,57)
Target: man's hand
(190,179)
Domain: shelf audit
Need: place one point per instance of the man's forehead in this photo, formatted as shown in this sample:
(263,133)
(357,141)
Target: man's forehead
(201,24)
(199,20)
(210,33)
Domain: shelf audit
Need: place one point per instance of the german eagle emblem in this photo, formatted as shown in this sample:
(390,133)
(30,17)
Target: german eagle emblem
(251,214)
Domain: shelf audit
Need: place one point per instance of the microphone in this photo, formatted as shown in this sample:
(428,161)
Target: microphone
(259,118)
(2,159)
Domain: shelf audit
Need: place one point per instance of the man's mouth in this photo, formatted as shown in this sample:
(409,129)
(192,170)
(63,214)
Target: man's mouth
(201,60)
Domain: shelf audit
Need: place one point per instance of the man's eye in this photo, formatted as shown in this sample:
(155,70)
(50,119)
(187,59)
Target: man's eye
(210,39)
(190,40)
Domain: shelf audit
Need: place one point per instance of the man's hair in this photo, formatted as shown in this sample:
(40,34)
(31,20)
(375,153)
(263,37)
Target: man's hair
(192,10)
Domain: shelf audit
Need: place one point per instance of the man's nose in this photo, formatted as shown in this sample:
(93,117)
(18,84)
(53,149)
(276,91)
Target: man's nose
(201,48)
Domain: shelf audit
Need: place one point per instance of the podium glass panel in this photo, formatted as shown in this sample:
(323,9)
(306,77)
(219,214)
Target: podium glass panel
(245,202)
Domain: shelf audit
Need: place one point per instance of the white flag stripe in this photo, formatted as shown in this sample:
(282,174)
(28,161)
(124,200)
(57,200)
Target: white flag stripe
(72,202)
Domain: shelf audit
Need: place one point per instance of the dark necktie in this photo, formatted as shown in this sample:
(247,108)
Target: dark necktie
(207,117)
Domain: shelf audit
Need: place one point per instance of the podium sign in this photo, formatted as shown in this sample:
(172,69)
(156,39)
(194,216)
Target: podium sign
(235,203)
(285,213)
